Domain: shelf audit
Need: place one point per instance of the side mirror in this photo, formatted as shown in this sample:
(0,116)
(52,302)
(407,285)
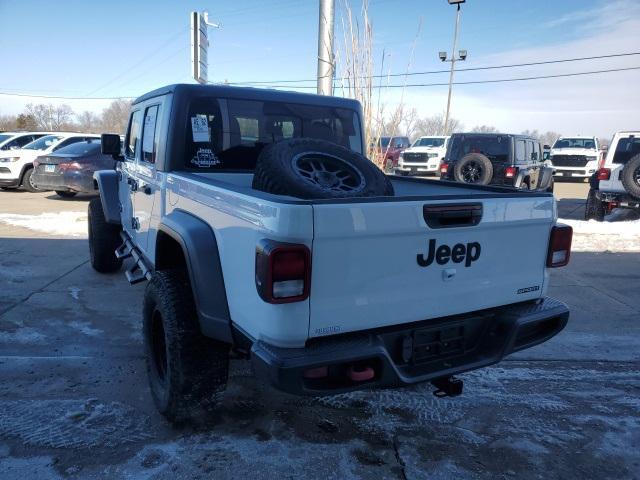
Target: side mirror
(110,144)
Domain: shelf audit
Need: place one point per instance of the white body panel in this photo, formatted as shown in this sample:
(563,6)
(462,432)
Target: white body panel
(366,275)
(240,221)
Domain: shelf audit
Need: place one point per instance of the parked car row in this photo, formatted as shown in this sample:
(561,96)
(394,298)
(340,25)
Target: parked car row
(59,161)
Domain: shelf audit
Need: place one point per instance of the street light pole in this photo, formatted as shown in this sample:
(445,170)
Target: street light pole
(326,66)
(443,57)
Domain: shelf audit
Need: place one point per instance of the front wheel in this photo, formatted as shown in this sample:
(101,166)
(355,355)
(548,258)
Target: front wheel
(104,238)
(188,372)
(594,208)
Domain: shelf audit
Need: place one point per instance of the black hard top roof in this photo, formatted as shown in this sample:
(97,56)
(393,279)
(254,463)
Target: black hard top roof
(495,134)
(188,90)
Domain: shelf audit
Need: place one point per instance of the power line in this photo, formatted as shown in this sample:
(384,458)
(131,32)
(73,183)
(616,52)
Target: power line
(474,82)
(429,72)
(502,80)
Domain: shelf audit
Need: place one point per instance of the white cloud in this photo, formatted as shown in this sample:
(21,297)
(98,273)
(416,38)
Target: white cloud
(593,104)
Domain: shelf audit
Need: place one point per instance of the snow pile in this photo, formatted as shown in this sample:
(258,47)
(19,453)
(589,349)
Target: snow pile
(72,224)
(615,234)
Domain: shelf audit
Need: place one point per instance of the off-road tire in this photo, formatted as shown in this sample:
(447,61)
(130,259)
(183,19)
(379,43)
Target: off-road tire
(279,170)
(187,371)
(65,194)
(27,182)
(104,238)
(630,176)
(594,208)
(473,160)
(525,184)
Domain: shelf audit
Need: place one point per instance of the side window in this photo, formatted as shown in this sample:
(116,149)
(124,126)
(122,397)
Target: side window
(520,151)
(150,134)
(536,152)
(528,155)
(132,143)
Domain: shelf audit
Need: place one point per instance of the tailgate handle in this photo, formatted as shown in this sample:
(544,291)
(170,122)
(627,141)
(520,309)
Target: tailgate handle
(452,215)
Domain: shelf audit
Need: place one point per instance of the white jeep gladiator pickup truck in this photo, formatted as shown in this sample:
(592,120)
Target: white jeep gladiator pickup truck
(575,157)
(263,229)
(617,183)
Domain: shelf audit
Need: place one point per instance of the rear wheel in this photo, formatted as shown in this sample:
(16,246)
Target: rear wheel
(65,194)
(104,238)
(188,372)
(27,181)
(594,208)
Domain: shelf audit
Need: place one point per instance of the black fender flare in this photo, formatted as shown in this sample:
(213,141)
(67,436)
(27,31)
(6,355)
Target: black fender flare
(107,181)
(197,240)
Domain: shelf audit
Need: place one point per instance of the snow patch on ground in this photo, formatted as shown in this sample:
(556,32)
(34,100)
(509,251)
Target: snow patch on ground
(620,232)
(72,224)
(23,335)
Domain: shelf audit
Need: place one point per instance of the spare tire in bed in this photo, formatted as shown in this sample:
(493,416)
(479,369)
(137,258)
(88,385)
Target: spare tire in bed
(473,168)
(314,169)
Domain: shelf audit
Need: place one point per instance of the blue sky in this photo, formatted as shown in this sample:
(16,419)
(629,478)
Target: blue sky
(118,48)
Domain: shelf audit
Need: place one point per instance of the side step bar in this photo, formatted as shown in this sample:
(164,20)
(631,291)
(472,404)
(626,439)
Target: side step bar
(139,271)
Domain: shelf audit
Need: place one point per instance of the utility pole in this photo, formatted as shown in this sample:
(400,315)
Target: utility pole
(326,65)
(462,55)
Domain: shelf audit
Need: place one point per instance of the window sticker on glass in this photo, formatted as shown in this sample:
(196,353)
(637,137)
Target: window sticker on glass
(205,158)
(200,129)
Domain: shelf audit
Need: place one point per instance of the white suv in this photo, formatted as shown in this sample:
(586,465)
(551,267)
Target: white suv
(423,157)
(617,183)
(16,140)
(575,157)
(16,166)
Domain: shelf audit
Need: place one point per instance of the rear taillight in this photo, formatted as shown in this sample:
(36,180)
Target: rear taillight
(510,172)
(603,174)
(283,271)
(69,166)
(444,168)
(559,246)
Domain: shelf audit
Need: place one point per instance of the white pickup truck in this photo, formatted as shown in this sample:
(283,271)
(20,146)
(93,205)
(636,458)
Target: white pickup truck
(575,157)
(263,229)
(423,157)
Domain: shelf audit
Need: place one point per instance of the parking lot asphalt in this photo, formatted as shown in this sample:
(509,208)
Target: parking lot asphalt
(74,401)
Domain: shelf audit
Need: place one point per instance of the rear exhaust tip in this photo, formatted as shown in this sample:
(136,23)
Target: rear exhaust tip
(360,373)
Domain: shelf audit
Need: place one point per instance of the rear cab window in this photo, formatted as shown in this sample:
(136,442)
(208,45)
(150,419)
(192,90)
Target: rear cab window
(626,149)
(229,134)
(496,147)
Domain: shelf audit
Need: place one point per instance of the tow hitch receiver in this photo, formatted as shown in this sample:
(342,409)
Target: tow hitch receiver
(447,387)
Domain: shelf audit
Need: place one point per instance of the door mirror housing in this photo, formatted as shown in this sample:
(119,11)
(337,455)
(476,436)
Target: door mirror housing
(111,145)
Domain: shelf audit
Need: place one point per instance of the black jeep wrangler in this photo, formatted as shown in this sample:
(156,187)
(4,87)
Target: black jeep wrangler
(497,159)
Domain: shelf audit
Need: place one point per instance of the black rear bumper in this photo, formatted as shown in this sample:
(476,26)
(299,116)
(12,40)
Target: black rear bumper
(411,353)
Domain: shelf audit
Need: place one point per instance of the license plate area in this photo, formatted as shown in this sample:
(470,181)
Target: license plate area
(438,342)
(49,168)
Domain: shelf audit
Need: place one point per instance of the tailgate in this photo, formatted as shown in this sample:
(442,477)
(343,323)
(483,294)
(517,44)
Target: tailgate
(379,263)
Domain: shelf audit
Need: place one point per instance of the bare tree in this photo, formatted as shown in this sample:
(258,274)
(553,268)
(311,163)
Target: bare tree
(401,123)
(49,117)
(484,129)
(549,138)
(115,116)
(26,122)
(434,125)
(7,122)
(88,122)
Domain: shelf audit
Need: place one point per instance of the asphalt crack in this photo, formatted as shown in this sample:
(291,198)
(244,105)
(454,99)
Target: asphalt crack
(403,466)
(41,289)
